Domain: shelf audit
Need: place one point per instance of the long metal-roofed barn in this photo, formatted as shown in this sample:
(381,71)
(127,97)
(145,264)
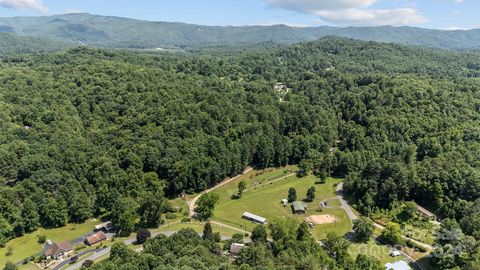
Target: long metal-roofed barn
(254,218)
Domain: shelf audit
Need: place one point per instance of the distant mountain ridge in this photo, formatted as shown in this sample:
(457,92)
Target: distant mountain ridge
(117,32)
(11,44)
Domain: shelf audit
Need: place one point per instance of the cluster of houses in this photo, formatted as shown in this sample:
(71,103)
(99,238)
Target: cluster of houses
(62,251)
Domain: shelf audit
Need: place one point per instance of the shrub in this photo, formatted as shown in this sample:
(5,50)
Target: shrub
(42,239)
(87,263)
(80,247)
(142,236)
(217,237)
(171,216)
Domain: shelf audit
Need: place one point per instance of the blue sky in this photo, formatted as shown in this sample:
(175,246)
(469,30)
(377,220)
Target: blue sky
(442,14)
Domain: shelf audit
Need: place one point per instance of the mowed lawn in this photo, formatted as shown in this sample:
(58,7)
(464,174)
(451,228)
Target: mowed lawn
(198,227)
(27,245)
(371,248)
(264,199)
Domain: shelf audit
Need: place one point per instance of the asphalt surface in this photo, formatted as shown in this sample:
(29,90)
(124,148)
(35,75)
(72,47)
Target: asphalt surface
(344,204)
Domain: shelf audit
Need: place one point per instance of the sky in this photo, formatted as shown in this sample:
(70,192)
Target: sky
(439,14)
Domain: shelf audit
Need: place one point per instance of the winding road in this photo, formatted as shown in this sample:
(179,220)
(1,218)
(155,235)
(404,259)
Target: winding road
(352,216)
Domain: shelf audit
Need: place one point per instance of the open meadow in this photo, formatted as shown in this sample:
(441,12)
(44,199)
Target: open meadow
(263,196)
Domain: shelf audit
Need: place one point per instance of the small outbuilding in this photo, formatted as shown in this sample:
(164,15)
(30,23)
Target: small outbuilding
(285,202)
(426,213)
(254,218)
(105,227)
(235,248)
(96,238)
(299,207)
(395,253)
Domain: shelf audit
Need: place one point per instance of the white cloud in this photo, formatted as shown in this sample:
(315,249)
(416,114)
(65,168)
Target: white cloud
(312,6)
(399,16)
(35,5)
(352,12)
(72,11)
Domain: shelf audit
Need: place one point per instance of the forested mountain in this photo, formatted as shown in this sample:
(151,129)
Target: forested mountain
(116,32)
(88,132)
(13,44)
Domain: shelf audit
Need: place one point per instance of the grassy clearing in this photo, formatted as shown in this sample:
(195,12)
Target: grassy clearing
(27,245)
(198,227)
(263,198)
(28,266)
(381,252)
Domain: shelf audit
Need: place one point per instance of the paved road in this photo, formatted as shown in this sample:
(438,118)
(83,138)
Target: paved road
(352,217)
(98,253)
(193,202)
(344,204)
(102,252)
(62,264)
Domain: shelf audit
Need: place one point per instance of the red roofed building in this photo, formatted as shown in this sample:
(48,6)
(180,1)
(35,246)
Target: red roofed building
(96,238)
(57,251)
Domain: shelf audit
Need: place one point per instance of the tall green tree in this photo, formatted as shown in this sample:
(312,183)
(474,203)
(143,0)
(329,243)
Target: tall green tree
(208,231)
(241,188)
(292,194)
(259,234)
(311,194)
(54,212)
(363,228)
(124,215)
(30,216)
(206,204)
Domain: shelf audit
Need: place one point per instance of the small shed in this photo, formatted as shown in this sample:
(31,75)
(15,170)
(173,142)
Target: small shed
(395,253)
(299,207)
(105,227)
(426,213)
(254,218)
(235,248)
(285,202)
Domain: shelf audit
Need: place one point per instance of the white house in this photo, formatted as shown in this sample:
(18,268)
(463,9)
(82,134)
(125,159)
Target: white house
(399,265)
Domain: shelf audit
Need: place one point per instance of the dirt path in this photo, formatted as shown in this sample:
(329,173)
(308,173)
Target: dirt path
(193,202)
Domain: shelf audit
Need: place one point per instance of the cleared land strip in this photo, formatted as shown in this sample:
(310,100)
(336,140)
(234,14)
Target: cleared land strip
(193,202)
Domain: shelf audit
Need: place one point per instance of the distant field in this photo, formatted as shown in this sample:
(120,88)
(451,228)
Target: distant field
(263,198)
(27,245)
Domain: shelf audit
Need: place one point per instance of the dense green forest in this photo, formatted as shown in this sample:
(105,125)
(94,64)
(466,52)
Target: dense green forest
(95,132)
(292,247)
(117,32)
(13,44)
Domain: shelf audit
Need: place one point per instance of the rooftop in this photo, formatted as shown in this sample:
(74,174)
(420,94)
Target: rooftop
(254,217)
(235,248)
(299,206)
(425,211)
(399,265)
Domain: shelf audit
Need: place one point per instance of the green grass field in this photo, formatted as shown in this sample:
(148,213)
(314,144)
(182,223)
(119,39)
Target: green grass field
(27,245)
(263,198)
(198,227)
(381,252)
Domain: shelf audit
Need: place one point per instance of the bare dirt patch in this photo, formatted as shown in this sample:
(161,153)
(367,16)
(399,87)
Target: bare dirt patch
(321,219)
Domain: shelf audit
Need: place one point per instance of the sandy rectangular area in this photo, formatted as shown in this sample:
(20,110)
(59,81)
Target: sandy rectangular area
(321,219)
